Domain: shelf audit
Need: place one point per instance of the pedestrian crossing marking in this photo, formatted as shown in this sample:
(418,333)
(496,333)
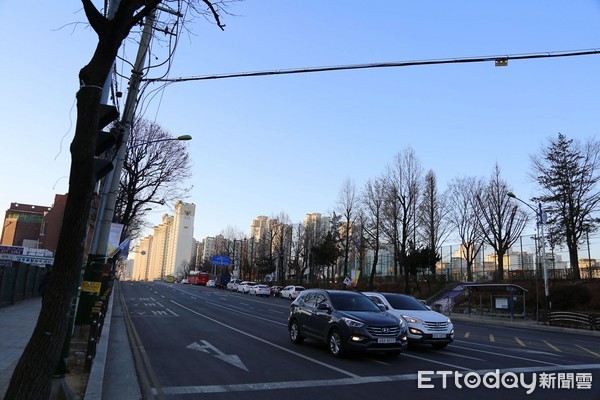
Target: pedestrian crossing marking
(467,334)
(520,342)
(492,338)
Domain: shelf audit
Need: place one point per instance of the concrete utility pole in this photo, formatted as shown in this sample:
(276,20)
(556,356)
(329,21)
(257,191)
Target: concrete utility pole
(109,197)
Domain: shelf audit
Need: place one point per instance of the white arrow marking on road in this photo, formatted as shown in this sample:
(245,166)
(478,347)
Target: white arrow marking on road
(196,346)
(228,358)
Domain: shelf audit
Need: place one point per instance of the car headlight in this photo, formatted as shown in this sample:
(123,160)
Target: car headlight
(352,322)
(402,323)
(412,320)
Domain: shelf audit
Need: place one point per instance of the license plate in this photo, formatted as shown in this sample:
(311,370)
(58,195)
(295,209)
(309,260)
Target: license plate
(386,340)
(439,336)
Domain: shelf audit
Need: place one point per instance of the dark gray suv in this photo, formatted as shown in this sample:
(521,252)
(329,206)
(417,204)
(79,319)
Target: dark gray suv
(346,321)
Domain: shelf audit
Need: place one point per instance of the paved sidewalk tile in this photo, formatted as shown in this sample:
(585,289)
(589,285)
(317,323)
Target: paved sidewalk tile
(16,326)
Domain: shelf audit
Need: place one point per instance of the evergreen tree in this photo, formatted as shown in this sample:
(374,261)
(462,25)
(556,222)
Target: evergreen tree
(568,174)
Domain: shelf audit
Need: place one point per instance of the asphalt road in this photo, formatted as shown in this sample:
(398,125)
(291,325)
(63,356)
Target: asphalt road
(198,342)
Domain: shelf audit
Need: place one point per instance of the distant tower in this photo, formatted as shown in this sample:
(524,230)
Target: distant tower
(181,240)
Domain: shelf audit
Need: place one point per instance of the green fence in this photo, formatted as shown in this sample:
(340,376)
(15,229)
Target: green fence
(19,282)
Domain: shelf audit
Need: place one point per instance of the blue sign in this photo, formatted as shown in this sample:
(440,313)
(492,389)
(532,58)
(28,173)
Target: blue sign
(220,260)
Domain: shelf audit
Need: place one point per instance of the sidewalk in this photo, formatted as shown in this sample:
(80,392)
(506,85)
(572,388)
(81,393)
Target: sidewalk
(113,375)
(16,326)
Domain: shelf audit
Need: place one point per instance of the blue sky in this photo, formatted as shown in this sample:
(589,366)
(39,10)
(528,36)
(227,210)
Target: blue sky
(287,143)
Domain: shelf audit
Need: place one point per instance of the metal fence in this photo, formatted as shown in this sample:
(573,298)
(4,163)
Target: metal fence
(574,320)
(19,282)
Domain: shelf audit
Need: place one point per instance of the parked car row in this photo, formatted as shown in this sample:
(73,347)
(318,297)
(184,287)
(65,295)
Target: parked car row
(354,321)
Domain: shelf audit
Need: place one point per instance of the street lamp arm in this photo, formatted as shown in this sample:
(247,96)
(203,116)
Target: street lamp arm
(182,138)
(513,196)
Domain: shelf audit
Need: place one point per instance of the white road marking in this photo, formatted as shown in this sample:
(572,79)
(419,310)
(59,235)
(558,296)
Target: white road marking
(341,371)
(506,355)
(357,380)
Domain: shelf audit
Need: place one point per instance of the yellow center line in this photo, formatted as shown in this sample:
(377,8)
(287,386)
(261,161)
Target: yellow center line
(520,342)
(552,346)
(492,339)
(589,351)
(467,334)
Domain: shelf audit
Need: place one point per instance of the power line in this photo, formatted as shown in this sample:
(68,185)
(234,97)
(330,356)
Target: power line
(501,60)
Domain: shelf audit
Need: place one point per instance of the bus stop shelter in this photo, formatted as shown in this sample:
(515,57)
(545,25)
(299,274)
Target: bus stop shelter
(505,299)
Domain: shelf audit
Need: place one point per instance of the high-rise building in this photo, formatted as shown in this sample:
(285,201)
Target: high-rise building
(141,264)
(259,227)
(170,250)
(181,240)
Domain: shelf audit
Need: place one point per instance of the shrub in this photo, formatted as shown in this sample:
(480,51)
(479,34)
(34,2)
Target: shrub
(570,297)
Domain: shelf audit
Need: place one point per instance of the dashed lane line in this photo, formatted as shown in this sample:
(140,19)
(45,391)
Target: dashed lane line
(553,347)
(520,342)
(588,350)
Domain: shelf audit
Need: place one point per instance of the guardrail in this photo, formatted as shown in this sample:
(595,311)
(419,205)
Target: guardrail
(574,320)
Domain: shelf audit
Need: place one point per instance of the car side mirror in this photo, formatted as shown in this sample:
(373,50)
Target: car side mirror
(323,307)
(382,307)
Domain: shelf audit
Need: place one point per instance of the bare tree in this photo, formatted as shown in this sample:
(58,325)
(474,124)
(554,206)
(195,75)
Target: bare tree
(404,179)
(373,200)
(502,221)
(31,378)
(347,204)
(282,242)
(232,246)
(298,255)
(463,217)
(153,171)
(312,235)
(568,173)
(433,223)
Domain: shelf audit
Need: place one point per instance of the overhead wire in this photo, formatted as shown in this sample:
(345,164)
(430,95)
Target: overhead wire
(499,59)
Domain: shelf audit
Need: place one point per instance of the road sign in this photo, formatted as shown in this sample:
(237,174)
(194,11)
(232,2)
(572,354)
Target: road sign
(220,260)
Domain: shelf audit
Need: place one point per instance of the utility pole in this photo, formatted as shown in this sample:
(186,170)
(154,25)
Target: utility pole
(99,252)
(126,123)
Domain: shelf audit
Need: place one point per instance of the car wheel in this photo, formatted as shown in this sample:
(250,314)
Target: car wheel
(335,343)
(439,345)
(295,333)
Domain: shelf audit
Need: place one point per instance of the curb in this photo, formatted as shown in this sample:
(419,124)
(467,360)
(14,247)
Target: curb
(93,389)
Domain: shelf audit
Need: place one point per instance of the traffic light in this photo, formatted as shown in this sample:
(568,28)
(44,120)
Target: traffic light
(106,141)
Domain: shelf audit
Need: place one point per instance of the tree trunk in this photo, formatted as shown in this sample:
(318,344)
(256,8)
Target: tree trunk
(500,271)
(32,376)
(574,260)
(374,267)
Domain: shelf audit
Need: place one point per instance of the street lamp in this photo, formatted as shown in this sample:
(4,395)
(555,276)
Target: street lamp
(182,137)
(540,219)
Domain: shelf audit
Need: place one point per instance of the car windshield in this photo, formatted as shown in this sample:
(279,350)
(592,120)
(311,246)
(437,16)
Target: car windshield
(402,302)
(352,302)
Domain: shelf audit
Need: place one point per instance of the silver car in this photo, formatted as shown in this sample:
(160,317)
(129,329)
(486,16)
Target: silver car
(424,324)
